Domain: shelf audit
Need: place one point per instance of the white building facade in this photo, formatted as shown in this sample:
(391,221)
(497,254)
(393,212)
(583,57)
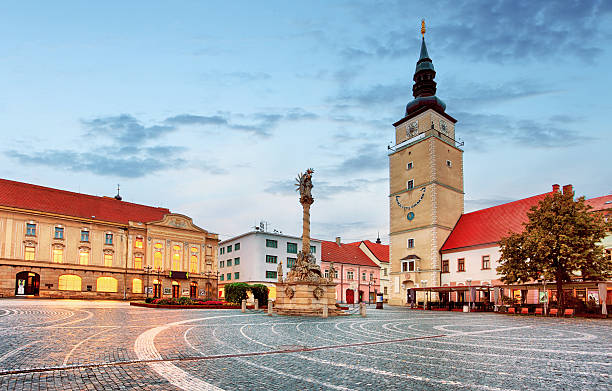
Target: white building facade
(254,257)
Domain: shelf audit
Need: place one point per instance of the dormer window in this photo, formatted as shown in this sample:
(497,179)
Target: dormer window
(59,233)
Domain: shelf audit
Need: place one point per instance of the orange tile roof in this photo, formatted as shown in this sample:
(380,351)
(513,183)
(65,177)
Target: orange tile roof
(344,253)
(45,199)
(600,203)
(491,224)
(380,251)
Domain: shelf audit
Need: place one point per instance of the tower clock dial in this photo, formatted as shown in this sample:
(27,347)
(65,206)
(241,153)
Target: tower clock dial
(412,129)
(443,127)
(410,200)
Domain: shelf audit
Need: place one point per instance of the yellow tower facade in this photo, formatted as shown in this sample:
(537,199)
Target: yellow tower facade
(426,187)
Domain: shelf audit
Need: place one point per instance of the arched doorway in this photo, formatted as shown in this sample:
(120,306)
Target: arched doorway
(410,293)
(27,283)
(350,296)
(176,290)
(193,289)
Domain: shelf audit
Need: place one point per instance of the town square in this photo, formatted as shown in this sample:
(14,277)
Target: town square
(345,195)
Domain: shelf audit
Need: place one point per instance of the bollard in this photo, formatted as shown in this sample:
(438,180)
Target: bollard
(325,311)
(256,304)
(243,306)
(270,307)
(362,309)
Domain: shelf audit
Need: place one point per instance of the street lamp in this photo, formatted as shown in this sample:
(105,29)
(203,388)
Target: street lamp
(147,269)
(543,280)
(469,282)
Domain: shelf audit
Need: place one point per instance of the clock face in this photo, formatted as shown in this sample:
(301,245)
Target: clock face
(443,127)
(410,200)
(412,129)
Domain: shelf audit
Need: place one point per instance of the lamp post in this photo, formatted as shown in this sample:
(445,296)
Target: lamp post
(158,281)
(543,281)
(147,270)
(469,282)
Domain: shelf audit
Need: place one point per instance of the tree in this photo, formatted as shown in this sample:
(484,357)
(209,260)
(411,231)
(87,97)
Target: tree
(559,240)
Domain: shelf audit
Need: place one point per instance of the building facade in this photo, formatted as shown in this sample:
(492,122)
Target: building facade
(254,258)
(356,275)
(55,243)
(426,185)
(379,254)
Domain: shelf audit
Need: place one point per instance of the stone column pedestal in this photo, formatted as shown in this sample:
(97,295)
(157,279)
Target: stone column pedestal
(305,298)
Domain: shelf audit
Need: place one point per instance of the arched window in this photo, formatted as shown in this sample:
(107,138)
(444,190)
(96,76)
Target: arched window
(193,264)
(107,284)
(176,257)
(69,282)
(136,285)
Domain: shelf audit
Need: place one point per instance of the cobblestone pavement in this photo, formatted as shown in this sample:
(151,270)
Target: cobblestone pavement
(96,345)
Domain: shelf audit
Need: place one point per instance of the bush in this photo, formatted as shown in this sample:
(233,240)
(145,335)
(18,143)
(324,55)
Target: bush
(236,292)
(260,292)
(148,299)
(184,301)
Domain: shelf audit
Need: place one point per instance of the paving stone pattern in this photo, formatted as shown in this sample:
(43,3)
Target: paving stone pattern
(98,345)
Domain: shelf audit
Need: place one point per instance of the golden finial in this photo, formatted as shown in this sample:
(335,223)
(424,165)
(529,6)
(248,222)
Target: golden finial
(423,27)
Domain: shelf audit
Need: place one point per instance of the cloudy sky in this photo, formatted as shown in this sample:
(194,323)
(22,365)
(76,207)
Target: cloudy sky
(212,108)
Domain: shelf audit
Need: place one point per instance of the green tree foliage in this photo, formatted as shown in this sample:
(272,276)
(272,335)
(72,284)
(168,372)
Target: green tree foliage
(260,292)
(559,242)
(236,292)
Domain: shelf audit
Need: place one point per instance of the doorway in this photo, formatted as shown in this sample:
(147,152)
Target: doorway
(176,290)
(360,296)
(193,290)
(27,284)
(157,289)
(350,296)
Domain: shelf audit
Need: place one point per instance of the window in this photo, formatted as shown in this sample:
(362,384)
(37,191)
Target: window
(445,266)
(136,285)
(335,273)
(229,262)
(407,266)
(236,246)
(139,243)
(229,249)
(157,260)
(108,260)
(59,233)
(30,229)
(290,262)
(193,264)
(271,258)
(236,261)
(236,275)
(449,163)
(292,248)
(138,262)
(83,257)
(460,265)
(363,276)
(222,251)
(271,243)
(221,277)
(108,238)
(326,273)
(176,257)
(409,166)
(30,253)
(349,275)
(371,276)
(221,263)
(84,235)
(608,254)
(385,272)
(313,249)
(229,276)
(58,255)
(486,262)
(385,290)
(410,243)
(270,274)
(69,282)
(106,284)
(410,184)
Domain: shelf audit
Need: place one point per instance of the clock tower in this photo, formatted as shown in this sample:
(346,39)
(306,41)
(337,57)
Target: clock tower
(426,185)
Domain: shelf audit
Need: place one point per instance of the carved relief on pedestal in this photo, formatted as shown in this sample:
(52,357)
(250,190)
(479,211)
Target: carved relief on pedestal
(318,292)
(289,292)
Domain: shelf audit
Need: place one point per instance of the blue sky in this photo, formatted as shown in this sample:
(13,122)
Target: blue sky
(212,108)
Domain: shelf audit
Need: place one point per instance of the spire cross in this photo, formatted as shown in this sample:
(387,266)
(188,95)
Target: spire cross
(423,27)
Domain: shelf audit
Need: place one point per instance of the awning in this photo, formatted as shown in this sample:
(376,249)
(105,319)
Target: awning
(410,258)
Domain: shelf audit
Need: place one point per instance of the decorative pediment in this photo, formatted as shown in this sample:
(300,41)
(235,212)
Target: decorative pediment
(175,220)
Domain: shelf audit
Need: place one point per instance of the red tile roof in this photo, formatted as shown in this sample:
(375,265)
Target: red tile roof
(600,203)
(380,251)
(44,199)
(490,225)
(344,253)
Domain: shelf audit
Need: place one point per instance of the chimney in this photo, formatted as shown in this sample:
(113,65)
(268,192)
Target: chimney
(338,240)
(567,189)
(555,188)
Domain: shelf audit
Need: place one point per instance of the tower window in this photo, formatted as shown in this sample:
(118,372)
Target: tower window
(409,166)
(410,184)
(408,266)
(449,163)
(410,243)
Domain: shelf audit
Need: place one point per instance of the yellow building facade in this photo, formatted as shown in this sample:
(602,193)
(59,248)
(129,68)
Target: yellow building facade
(55,243)
(426,186)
